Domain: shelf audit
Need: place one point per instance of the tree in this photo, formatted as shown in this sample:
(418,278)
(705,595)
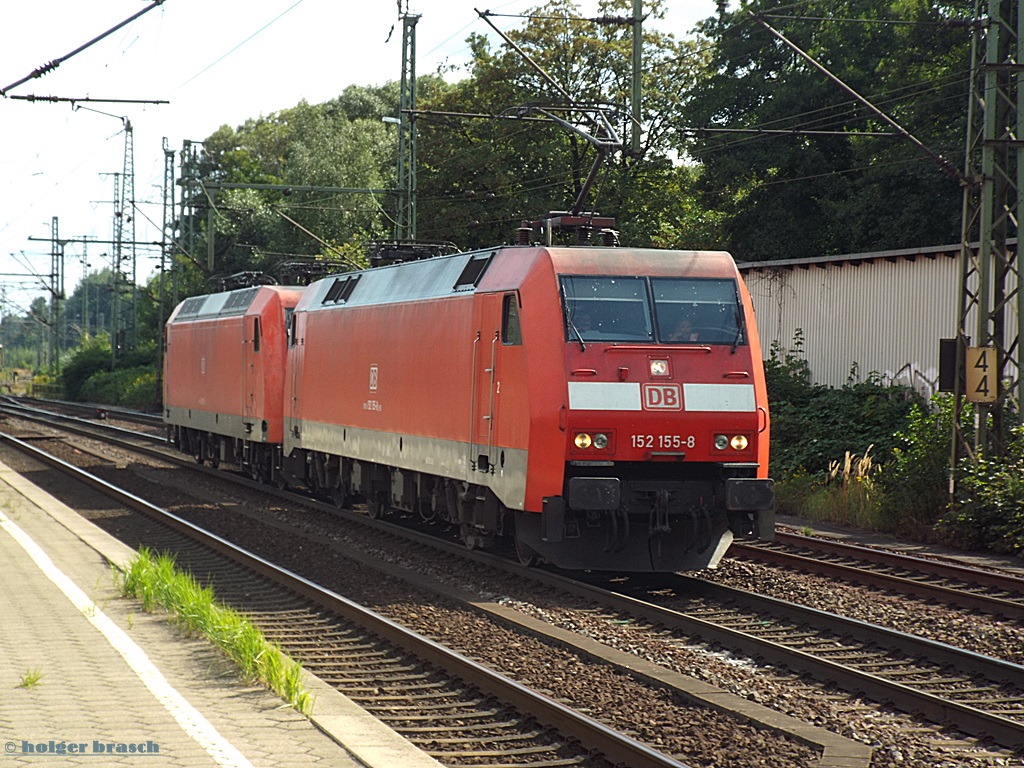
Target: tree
(88,309)
(787,196)
(340,143)
(479,178)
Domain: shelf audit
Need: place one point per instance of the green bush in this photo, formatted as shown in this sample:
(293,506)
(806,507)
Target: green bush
(988,510)
(141,392)
(793,491)
(813,424)
(916,477)
(88,360)
(130,387)
(86,377)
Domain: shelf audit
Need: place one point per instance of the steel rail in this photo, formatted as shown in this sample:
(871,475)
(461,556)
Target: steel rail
(940,568)
(35,405)
(1010,609)
(1003,730)
(968,719)
(617,747)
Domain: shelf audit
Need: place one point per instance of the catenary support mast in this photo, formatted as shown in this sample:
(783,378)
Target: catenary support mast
(405,223)
(993,206)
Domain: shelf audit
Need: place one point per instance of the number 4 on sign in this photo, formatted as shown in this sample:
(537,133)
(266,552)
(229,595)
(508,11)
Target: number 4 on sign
(982,375)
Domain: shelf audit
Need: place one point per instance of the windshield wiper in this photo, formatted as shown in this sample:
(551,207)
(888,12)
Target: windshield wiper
(579,336)
(740,323)
(568,317)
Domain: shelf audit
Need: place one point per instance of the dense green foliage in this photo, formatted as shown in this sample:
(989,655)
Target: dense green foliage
(481,177)
(839,191)
(813,425)
(87,377)
(989,506)
(878,457)
(916,477)
(338,144)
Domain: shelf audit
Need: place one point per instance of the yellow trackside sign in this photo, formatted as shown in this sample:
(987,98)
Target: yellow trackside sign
(982,374)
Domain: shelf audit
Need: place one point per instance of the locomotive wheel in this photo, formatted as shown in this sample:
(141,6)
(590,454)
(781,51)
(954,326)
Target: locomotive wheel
(527,557)
(469,536)
(339,498)
(376,506)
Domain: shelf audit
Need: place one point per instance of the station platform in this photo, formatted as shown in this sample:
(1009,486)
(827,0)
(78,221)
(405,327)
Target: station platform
(88,678)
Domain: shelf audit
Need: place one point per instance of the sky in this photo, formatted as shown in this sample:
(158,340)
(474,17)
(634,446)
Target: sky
(216,63)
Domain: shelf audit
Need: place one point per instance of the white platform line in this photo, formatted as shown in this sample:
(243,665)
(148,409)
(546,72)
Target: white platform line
(187,716)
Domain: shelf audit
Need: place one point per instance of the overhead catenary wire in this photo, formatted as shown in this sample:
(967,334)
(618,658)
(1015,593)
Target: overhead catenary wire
(947,167)
(52,65)
(214,63)
(843,112)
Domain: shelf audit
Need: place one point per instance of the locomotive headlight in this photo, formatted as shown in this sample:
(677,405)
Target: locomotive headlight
(600,441)
(659,367)
(583,440)
(736,442)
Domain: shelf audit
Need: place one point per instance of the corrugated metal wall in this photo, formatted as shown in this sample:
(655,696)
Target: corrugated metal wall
(885,315)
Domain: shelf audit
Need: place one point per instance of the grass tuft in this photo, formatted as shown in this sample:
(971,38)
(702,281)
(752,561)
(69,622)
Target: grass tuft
(848,495)
(31,678)
(156,582)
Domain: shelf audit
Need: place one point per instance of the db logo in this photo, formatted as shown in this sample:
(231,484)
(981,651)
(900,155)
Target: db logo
(373,378)
(663,397)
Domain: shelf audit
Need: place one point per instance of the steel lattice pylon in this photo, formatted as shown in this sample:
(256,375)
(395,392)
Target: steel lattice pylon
(405,223)
(124,326)
(993,207)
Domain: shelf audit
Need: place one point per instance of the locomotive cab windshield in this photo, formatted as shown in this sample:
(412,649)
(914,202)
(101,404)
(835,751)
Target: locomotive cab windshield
(667,310)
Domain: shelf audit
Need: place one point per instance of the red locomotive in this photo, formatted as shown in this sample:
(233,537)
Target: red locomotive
(224,376)
(605,408)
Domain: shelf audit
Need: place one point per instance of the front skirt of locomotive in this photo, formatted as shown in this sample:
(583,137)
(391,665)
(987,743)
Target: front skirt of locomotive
(636,525)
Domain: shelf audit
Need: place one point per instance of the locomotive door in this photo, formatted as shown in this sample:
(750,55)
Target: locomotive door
(295,363)
(485,385)
(251,350)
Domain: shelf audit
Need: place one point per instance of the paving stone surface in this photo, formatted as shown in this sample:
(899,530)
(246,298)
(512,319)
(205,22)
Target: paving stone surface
(87,697)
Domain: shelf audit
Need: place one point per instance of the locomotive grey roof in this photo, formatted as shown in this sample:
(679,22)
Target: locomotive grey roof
(408,281)
(217,304)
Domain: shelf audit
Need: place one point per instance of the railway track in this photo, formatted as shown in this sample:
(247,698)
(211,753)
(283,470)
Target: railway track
(982,698)
(417,686)
(86,410)
(978,693)
(994,592)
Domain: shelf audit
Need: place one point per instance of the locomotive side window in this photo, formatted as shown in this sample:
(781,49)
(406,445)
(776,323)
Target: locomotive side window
(606,308)
(706,311)
(288,312)
(511,334)
(256,335)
